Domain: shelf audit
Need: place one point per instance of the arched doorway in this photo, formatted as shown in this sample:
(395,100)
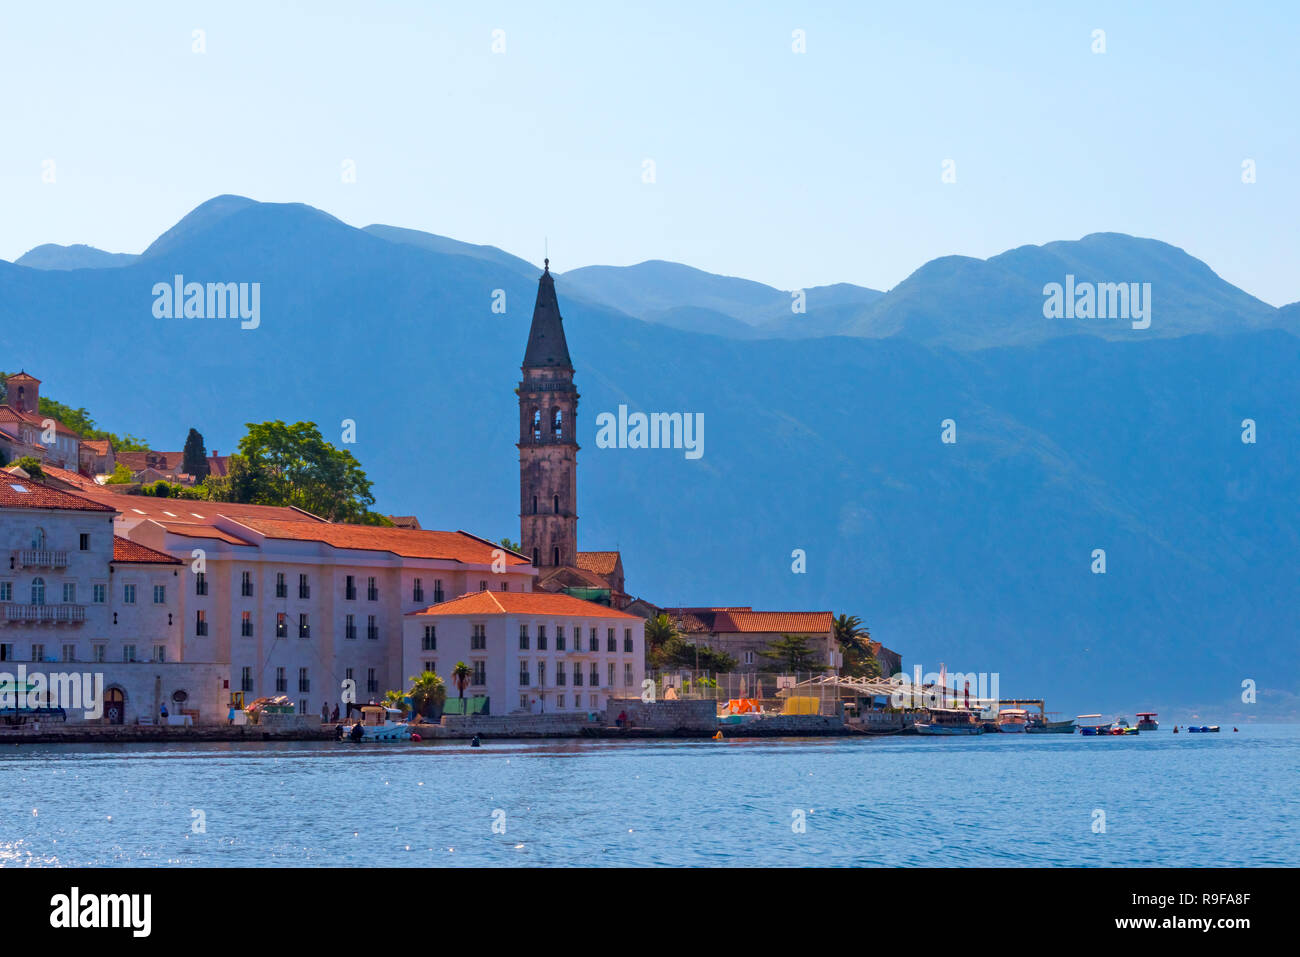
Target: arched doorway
(114,706)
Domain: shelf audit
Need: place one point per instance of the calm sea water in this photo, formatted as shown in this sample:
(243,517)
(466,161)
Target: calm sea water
(1225,799)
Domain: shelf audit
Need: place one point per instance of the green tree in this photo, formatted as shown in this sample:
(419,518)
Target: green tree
(428,693)
(79,420)
(121,475)
(512,546)
(855,645)
(460,677)
(194,458)
(677,652)
(32,466)
(395,699)
(658,632)
(791,654)
(281,464)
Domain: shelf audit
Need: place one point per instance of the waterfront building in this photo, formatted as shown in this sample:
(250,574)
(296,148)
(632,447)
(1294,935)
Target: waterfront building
(298,605)
(76,598)
(745,634)
(537,652)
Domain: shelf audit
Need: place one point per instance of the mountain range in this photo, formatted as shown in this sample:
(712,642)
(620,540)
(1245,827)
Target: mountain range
(824,432)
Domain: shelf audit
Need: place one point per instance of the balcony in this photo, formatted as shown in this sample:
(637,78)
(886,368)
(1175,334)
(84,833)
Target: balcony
(40,558)
(45,614)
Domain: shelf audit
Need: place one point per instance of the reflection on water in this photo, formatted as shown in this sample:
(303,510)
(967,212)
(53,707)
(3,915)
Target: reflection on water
(994,800)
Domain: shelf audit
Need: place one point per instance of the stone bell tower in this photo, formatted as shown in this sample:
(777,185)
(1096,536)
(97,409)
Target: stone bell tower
(548,446)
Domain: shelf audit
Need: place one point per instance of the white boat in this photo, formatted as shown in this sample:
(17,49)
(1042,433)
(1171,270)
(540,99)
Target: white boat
(1013,720)
(376,723)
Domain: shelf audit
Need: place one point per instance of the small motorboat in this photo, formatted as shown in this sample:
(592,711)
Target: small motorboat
(1121,726)
(1041,725)
(1147,721)
(1203,729)
(376,723)
(1092,725)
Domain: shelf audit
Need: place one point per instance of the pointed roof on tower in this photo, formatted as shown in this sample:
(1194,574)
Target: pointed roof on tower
(547,348)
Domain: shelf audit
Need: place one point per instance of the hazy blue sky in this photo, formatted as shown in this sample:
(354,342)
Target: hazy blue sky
(794,169)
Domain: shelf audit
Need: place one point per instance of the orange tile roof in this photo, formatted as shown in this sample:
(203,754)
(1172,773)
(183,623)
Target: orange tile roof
(36,420)
(745,619)
(409,543)
(523,603)
(125,550)
(18,492)
(193,511)
(203,531)
(99,445)
(71,478)
(602,563)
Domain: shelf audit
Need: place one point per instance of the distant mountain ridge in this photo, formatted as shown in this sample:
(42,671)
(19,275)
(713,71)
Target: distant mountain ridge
(976,553)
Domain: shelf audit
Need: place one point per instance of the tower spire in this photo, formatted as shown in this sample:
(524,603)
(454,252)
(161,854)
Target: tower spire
(547,348)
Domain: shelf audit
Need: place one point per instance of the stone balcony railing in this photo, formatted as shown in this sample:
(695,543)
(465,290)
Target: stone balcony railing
(40,558)
(45,614)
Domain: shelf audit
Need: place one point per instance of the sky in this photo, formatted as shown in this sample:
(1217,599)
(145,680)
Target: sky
(792,168)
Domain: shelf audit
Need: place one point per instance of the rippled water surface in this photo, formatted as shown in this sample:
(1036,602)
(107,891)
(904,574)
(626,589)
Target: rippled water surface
(1225,799)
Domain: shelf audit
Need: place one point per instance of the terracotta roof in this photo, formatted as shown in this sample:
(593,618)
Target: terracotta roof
(565,574)
(203,531)
(139,461)
(125,550)
(404,521)
(409,543)
(523,603)
(100,446)
(70,478)
(218,465)
(192,511)
(602,563)
(18,492)
(36,420)
(24,377)
(745,619)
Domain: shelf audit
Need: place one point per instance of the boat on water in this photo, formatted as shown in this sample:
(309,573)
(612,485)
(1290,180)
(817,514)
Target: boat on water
(1203,729)
(1092,725)
(1147,721)
(1013,720)
(950,721)
(375,723)
(1041,725)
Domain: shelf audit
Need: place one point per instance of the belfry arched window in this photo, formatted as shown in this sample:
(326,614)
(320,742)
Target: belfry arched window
(557,423)
(537,425)
(537,557)
(557,555)
(534,504)
(557,505)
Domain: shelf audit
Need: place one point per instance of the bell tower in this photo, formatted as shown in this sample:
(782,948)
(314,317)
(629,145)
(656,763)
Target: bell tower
(548,446)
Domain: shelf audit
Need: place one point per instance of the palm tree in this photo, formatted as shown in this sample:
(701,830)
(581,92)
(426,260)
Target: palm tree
(395,699)
(659,631)
(855,644)
(460,676)
(428,692)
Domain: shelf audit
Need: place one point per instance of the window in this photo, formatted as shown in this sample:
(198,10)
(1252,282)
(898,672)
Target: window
(627,640)
(304,626)
(559,701)
(559,637)
(541,637)
(281,682)
(281,589)
(557,509)
(523,637)
(593,640)
(595,675)
(430,638)
(372,628)
(200,623)
(347,673)
(430,665)
(350,589)
(99,594)
(372,683)
(304,588)
(246,584)
(160,594)
(85,542)
(6,651)
(69,593)
(480,673)
(560,677)
(437,590)
(577,673)
(478,638)
(281,627)
(246,679)
(7,591)
(611,643)
(38,591)
(482,585)
(523,702)
(99,653)
(557,424)
(372,590)
(200,583)
(627,675)
(38,652)
(349,628)
(541,673)
(159,652)
(523,674)
(505,586)
(555,558)
(128,652)
(246,624)
(128,594)
(749,657)
(610,673)
(417,591)
(304,682)
(537,557)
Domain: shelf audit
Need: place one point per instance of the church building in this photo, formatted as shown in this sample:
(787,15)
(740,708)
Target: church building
(548,465)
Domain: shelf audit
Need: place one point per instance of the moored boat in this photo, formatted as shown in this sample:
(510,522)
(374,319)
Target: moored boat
(376,723)
(1147,721)
(1013,720)
(950,721)
(1204,729)
(1092,725)
(1040,725)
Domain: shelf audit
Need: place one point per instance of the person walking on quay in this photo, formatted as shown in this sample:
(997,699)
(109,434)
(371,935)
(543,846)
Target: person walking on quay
(324,712)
